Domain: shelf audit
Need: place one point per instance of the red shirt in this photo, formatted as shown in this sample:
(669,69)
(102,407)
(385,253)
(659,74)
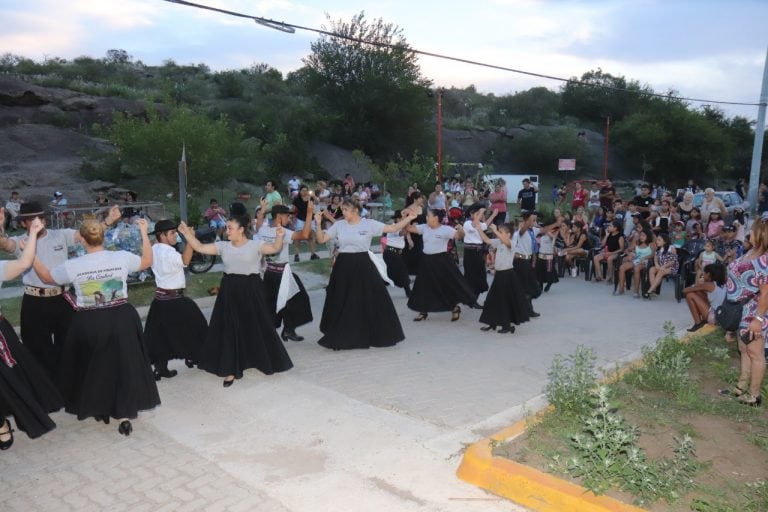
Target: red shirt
(579,198)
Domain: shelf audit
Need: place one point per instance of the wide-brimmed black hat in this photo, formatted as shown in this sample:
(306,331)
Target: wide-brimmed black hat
(30,211)
(164,225)
(280,208)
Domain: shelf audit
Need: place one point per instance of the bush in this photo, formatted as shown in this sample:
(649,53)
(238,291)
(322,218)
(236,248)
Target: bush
(571,380)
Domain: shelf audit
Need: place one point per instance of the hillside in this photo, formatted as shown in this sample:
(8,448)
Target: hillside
(44,140)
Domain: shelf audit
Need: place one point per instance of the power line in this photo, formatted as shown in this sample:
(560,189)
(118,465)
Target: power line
(291,28)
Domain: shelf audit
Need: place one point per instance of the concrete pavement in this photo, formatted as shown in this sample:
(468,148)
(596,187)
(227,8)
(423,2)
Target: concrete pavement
(372,430)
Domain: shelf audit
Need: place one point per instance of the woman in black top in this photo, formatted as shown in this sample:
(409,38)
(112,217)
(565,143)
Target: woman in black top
(612,244)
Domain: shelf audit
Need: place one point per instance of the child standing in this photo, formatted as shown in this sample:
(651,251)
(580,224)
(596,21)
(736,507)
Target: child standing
(506,302)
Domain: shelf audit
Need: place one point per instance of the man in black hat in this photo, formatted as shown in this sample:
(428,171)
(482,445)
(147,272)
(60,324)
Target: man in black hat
(45,314)
(286,295)
(175,328)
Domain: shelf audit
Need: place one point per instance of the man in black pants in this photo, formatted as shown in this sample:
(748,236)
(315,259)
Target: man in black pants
(45,314)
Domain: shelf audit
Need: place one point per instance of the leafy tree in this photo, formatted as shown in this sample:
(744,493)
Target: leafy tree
(676,142)
(601,94)
(374,88)
(541,148)
(537,105)
(152,147)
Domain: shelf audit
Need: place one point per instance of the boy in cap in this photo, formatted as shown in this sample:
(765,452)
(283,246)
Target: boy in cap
(175,328)
(286,295)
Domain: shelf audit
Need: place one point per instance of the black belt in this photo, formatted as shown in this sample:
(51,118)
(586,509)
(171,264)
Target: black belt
(474,247)
(395,250)
(275,267)
(165,294)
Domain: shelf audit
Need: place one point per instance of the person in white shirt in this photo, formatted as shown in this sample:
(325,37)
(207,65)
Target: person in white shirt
(474,250)
(439,286)
(45,314)
(397,270)
(505,303)
(12,208)
(105,370)
(26,392)
(524,248)
(175,327)
(286,296)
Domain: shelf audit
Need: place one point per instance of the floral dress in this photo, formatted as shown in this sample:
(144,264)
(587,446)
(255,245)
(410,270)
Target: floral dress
(744,280)
(669,257)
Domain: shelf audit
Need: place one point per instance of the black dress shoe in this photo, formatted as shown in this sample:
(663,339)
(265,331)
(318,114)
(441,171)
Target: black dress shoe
(534,314)
(4,445)
(291,335)
(488,328)
(164,372)
(104,418)
(506,330)
(228,383)
(125,428)
(190,363)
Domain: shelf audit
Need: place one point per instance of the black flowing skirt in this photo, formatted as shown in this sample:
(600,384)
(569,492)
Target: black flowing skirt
(527,276)
(175,329)
(358,311)
(26,392)
(397,270)
(242,334)
(105,368)
(546,271)
(439,285)
(297,310)
(505,303)
(474,269)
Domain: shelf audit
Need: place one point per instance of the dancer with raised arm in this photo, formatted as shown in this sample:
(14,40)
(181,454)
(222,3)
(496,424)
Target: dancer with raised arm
(358,311)
(241,333)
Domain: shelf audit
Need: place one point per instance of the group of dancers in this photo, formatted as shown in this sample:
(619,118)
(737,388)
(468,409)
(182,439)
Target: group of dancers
(84,347)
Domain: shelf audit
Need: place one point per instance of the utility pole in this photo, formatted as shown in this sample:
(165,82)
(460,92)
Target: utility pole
(183,184)
(605,154)
(757,148)
(440,135)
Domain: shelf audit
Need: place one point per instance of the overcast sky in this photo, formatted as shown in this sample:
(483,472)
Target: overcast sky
(701,48)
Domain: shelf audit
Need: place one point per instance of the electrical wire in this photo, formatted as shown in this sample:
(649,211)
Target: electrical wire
(291,28)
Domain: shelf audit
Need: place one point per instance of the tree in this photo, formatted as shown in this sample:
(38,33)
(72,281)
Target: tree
(367,76)
(152,147)
(541,148)
(600,94)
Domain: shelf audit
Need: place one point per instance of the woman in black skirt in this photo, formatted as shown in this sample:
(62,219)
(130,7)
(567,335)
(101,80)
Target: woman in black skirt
(105,370)
(358,311)
(412,252)
(397,270)
(439,285)
(241,333)
(505,303)
(474,250)
(175,327)
(26,393)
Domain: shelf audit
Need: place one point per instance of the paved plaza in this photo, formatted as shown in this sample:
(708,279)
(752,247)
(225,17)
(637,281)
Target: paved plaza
(364,430)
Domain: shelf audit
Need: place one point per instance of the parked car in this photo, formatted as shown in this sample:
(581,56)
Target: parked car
(731,199)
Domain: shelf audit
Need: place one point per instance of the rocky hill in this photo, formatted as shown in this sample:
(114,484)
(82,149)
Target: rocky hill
(43,141)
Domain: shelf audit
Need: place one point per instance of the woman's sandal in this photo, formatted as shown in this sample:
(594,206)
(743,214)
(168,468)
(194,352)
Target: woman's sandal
(455,313)
(422,316)
(752,400)
(734,392)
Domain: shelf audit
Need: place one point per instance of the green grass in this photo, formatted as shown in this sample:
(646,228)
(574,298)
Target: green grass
(660,410)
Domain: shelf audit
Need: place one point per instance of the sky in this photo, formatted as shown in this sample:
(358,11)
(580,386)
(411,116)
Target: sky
(707,49)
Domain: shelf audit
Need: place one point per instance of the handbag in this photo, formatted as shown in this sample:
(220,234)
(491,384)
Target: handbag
(728,314)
